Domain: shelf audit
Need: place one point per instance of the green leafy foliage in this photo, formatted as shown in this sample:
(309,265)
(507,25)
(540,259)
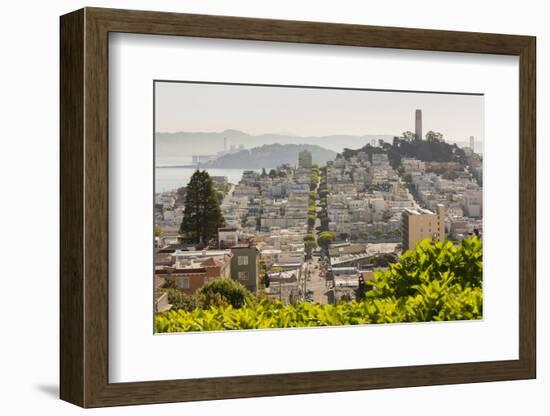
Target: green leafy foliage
(181,300)
(325,238)
(309,237)
(310,246)
(314,177)
(432,263)
(221,291)
(190,302)
(435,282)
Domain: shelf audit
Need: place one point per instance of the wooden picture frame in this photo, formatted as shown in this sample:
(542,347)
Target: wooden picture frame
(84,207)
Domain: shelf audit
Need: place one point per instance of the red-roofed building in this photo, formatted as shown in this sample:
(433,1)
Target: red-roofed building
(194,274)
(216,267)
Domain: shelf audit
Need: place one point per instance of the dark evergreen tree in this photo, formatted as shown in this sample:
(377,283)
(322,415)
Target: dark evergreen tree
(202,216)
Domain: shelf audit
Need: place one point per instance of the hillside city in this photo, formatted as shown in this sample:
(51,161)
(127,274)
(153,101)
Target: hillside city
(314,233)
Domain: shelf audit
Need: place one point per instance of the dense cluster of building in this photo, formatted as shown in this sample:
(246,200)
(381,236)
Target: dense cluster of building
(265,218)
(373,210)
(365,198)
(450,185)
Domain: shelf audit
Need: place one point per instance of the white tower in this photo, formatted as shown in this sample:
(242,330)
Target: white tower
(418,125)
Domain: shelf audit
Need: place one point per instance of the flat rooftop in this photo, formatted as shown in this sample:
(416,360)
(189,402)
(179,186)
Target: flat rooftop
(418,211)
(200,253)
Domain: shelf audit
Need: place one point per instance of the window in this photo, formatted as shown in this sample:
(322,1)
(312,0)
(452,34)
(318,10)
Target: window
(243,260)
(243,276)
(182,283)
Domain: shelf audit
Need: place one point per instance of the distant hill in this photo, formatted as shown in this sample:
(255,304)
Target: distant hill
(270,156)
(186,144)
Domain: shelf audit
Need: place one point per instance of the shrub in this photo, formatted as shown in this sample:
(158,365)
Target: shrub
(310,245)
(212,299)
(190,302)
(309,237)
(431,262)
(266,314)
(233,292)
(325,238)
(180,300)
(169,284)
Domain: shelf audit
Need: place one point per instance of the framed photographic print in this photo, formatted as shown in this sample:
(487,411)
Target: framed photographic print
(291,207)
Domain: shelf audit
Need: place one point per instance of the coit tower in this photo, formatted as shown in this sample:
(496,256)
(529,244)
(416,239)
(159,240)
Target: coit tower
(418,125)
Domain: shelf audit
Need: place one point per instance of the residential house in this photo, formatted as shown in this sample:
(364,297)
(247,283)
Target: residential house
(245,265)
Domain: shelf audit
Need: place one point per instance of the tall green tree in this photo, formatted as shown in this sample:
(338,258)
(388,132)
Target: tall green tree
(202,215)
(409,136)
(325,238)
(434,136)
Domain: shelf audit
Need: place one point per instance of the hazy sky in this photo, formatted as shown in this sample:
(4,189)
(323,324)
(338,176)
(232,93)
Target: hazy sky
(313,112)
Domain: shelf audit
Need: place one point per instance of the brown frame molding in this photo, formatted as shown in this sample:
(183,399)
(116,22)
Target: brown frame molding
(84,207)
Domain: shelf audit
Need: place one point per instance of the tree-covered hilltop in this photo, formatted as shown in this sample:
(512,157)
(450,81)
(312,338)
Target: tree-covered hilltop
(433,149)
(270,156)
